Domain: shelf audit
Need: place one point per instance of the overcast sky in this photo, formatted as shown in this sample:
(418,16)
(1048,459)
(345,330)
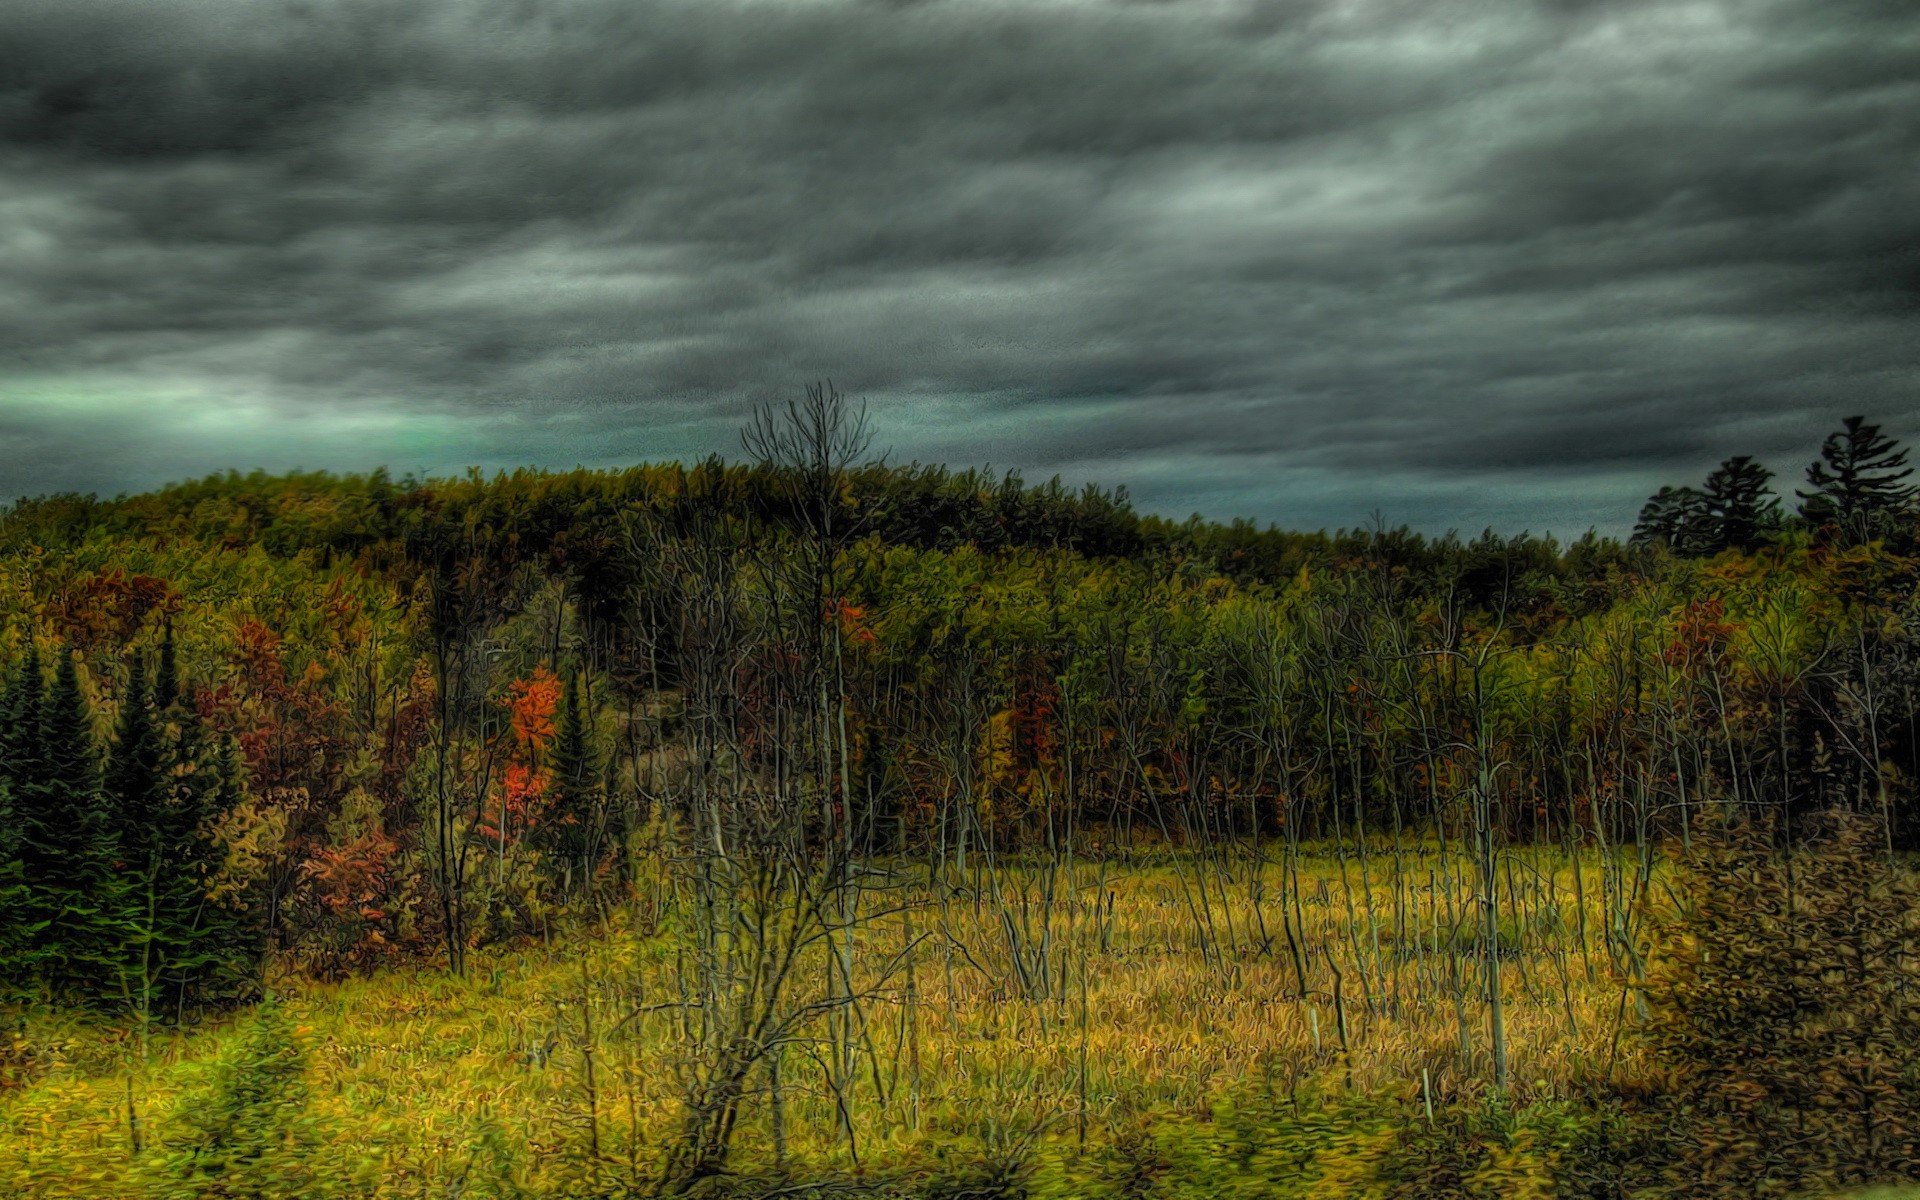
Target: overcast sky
(1465,262)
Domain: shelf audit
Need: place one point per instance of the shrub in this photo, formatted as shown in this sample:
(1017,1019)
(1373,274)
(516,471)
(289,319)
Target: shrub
(244,1130)
(1782,1011)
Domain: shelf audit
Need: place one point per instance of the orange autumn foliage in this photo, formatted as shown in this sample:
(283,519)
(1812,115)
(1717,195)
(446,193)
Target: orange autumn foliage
(532,703)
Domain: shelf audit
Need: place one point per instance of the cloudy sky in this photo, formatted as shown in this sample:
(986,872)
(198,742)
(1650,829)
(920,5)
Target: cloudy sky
(1465,262)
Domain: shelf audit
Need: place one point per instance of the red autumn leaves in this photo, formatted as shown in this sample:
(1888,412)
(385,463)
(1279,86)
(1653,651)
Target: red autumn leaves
(526,784)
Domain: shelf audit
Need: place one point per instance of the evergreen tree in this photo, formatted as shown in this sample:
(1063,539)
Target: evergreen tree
(140,798)
(67,850)
(1675,517)
(15,936)
(1741,508)
(1858,481)
(20,720)
(20,769)
(136,791)
(184,948)
(229,937)
(572,832)
(166,680)
(245,1127)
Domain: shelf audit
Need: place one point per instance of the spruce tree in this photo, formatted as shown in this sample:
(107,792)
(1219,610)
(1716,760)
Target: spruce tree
(166,680)
(1858,482)
(15,934)
(136,791)
(572,830)
(20,722)
(1741,509)
(67,850)
(229,938)
(211,949)
(184,947)
(21,918)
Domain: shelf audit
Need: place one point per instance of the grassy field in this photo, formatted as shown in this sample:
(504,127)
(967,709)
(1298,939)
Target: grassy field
(1071,1028)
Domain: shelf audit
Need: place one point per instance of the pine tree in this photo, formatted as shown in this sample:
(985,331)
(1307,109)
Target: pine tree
(20,721)
(229,937)
(136,791)
(139,788)
(67,850)
(572,831)
(1675,517)
(1858,481)
(15,935)
(166,680)
(1741,509)
(245,1128)
(185,948)
(20,769)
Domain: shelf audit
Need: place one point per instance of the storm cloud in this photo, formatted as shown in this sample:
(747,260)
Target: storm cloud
(1464,262)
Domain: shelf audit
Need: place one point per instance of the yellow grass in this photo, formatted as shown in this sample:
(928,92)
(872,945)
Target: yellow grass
(420,1079)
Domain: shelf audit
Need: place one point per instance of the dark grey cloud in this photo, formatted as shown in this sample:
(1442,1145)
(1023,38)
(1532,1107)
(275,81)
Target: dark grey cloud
(1466,263)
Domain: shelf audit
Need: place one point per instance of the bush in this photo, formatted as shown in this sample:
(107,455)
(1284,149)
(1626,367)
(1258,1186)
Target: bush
(1783,1012)
(244,1130)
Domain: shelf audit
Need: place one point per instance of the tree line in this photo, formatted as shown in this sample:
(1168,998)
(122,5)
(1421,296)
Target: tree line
(345,719)
(1856,492)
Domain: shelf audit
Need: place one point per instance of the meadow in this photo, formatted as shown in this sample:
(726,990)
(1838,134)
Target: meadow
(1070,1015)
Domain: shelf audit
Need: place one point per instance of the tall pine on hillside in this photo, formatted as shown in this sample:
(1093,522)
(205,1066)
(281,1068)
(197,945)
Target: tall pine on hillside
(15,937)
(1741,508)
(1858,483)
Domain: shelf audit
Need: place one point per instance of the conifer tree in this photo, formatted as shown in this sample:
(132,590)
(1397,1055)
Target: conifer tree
(1675,517)
(229,937)
(134,785)
(185,947)
(19,722)
(166,680)
(67,849)
(1857,482)
(20,768)
(139,788)
(15,935)
(1741,509)
(572,831)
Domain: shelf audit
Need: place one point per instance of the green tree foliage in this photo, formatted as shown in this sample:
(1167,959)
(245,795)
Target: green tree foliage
(1784,1009)
(1858,484)
(15,932)
(1741,509)
(20,701)
(1674,517)
(106,869)
(574,831)
(169,787)
(135,785)
(67,842)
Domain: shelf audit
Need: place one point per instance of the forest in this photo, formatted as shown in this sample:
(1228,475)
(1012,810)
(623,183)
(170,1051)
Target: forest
(802,824)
